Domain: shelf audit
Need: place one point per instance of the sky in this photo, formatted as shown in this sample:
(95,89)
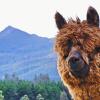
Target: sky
(37,16)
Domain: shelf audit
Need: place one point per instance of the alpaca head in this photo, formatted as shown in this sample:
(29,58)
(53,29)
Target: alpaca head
(77,45)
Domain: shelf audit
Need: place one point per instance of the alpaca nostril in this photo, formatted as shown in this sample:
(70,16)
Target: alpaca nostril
(74,60)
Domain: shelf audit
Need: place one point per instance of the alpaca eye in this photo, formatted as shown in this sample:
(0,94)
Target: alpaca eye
(65,56)
(97,49)
(69,43)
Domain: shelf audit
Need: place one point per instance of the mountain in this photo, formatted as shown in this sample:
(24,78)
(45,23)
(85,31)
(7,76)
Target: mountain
(26,55)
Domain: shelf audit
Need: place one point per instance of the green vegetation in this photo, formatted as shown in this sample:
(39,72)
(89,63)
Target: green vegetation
(63,96)
(25,97)
(1,96)
(26,90)
(40,89)
(39,97)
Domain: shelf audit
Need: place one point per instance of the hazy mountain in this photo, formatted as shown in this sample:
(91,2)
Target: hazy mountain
(26,55)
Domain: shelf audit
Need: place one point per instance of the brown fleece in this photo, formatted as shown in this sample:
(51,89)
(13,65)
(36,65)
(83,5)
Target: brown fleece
(85,38)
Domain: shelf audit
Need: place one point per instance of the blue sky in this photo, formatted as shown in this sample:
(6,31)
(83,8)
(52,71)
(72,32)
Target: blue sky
(37,16)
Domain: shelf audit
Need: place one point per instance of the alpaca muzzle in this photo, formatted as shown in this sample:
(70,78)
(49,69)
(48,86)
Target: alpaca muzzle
(77,65)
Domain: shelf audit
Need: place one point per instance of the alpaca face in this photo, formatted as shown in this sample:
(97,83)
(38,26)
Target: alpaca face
(77,44)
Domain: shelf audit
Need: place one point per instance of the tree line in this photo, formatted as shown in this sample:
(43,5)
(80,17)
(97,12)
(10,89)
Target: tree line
(41,88)
(27,90)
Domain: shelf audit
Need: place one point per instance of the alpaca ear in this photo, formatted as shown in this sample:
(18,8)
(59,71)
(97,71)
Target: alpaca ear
(92,17)
(60,21)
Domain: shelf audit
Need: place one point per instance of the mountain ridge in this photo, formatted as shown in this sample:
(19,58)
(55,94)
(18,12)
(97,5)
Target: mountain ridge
(26,54)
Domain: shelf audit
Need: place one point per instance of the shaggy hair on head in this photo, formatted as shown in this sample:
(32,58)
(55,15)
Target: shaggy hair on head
(78,48)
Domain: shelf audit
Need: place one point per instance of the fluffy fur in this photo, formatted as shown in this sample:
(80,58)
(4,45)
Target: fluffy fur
(86,39)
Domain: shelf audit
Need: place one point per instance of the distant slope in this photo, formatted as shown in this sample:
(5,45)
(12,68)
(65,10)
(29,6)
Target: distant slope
(26,55)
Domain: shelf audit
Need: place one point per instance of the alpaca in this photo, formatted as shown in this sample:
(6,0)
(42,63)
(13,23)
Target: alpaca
(77,45)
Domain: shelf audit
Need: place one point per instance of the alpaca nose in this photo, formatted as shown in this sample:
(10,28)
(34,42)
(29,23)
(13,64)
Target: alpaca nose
(75,61)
